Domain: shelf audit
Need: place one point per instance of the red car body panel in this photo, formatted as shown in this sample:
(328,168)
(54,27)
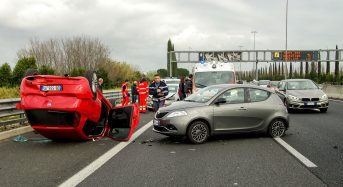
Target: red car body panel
(72,113)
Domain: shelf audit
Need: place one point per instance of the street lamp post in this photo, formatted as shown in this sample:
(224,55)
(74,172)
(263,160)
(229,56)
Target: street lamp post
(256,72)
(240,63)
(286,58)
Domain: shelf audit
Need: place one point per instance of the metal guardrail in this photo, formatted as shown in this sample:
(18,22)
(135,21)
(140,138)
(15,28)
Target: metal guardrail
(9,115)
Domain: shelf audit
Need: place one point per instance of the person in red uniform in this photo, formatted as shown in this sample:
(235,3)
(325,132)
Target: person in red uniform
(143,91)
(125,94)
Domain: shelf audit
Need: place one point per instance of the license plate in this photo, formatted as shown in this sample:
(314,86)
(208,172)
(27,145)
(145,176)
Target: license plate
(51,88)
(156,123)
(310,103)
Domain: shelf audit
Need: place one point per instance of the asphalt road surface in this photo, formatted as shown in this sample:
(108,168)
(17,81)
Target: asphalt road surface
(157,160)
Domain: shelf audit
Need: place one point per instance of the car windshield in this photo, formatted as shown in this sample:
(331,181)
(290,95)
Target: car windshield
(172,88)
(172,81)
(204,95)
(274,84)
(203,79)
(301,85)
(262,82)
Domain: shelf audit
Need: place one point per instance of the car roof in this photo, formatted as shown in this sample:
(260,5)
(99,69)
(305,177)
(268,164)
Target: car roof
(241,86)
(289,80)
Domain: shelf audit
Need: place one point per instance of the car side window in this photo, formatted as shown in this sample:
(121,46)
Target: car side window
(282,85)
(257,95)
(233,96)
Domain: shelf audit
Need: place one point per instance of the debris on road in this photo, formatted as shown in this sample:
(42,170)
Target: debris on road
(172,152)
(20,139)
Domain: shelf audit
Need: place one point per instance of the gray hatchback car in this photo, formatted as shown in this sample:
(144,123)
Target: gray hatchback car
(223,109)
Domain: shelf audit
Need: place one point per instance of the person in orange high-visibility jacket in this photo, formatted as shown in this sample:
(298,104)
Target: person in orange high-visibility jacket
(143,91)
(125,94)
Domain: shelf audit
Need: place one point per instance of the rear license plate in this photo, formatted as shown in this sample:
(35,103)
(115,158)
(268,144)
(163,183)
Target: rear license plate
(51,88)
(310,103)
(156,122)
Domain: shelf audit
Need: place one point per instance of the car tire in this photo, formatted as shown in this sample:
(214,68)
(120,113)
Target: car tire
(277,128)
(93,82)
(30,72)
(198,132)
(323,110)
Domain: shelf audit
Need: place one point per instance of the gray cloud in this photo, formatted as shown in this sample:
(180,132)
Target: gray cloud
(137,31)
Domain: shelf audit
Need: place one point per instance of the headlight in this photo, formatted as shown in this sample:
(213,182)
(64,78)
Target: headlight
(291,97)
(324,97)
(177,113)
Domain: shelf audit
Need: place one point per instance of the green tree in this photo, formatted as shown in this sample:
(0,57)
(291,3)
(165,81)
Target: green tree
(46,70)
(182,72)
(102,73)
(20,68)
(163,72)
(301,69)
(77,72)
(5,75)
(171,57)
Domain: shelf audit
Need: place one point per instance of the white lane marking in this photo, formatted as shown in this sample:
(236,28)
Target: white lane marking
(336,100)
(96,164)
(295,153)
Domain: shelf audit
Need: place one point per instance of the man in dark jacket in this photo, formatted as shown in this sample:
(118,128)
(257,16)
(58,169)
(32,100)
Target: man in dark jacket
(134,92)
(189,85)
(159,90)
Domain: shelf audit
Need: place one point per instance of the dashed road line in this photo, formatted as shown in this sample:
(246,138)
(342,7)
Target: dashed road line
(96,164)
(295,153)
(336,100)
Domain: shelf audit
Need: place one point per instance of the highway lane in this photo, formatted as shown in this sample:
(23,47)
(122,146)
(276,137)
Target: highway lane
(41,162)
(319,137)
(153,159)
(244,160)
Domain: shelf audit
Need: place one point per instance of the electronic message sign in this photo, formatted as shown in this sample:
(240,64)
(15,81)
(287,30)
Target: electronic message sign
(295,56)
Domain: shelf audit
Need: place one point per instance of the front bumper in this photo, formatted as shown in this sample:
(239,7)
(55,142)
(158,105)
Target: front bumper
(175,126)
(308,104)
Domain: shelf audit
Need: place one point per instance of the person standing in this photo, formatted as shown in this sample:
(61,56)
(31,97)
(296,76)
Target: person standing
(125,94)
(181,90)
(189,85)
(158,90)
(134,92)
(143,91)
(100,82)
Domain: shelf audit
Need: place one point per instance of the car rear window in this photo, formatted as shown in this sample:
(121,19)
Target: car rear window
(257,95)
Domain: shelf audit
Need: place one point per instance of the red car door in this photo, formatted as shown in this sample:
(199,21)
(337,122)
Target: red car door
(122,122)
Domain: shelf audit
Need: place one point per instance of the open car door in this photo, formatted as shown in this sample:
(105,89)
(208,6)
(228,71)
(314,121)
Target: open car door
(122,122)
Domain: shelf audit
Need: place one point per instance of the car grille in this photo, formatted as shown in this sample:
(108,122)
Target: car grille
(161,129)
(50,117)
(161,114)
(310,99)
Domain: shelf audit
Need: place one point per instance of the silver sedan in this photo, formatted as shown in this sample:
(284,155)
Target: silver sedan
(223,109)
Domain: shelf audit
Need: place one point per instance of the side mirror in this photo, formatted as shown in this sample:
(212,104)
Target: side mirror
(219,101)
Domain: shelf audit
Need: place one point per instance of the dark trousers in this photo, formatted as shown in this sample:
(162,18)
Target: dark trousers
(134,98)
(158,104)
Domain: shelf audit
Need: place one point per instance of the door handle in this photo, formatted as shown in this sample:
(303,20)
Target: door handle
(242,108)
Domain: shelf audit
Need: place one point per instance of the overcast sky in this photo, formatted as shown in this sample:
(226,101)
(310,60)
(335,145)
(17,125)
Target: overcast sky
(137,31)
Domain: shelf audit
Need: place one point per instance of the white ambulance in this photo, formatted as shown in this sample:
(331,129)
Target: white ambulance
(212,73)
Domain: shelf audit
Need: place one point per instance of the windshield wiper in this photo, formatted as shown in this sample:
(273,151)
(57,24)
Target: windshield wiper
(198,84)
(189,100)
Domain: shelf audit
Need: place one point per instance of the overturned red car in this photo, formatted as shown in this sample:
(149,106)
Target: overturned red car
(73,108)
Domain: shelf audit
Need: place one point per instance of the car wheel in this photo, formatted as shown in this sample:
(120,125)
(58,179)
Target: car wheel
(277,128)
(323,110)
(30,72)
(198,132)
(93,81)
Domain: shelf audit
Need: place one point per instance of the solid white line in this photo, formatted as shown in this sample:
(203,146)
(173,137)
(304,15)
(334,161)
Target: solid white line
(295,153)
(96,164)
(336,100)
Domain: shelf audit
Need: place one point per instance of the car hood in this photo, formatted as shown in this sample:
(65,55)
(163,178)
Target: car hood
(306,93)
(179,105)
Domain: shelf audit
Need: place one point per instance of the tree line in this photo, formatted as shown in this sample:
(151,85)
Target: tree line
(73,56)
